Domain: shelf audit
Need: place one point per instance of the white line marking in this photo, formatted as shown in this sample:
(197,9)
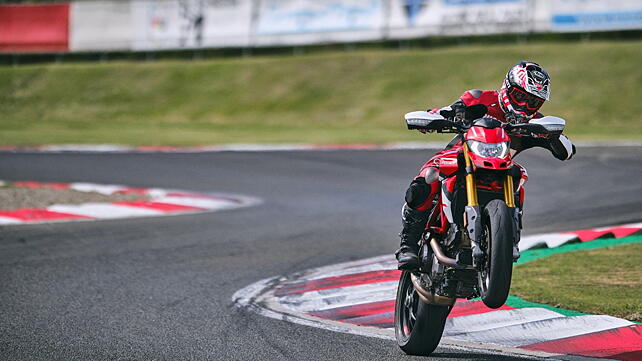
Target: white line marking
(9,220)
(340,297)
(496,319)
(156,193)
(98,148)
(390,264)
(544,330)
(550,240)
(104,210)
(629,225)
(107,189)
(204,203)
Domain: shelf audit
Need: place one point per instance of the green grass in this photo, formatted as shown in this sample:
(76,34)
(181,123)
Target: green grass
(597,281)
(325,98)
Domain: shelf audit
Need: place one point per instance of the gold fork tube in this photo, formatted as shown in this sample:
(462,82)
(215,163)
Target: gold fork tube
(471,186)
(509,196)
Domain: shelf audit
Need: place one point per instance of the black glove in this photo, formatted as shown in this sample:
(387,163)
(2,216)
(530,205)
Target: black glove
(515,118)
(455,111)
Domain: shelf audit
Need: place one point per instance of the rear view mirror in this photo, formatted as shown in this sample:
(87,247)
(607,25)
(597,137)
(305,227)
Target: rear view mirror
(553,125)
(421,119)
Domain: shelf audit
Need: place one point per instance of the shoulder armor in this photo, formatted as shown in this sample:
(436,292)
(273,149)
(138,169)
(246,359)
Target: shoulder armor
(476,93)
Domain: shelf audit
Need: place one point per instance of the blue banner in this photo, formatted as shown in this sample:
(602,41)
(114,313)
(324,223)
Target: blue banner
(601,20)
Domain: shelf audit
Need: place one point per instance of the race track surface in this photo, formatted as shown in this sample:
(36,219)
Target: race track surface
(161,288)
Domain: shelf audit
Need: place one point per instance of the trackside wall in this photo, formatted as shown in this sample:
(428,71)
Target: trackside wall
(148,25)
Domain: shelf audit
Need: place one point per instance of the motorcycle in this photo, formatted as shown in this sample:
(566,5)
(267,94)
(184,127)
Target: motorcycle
(473,230)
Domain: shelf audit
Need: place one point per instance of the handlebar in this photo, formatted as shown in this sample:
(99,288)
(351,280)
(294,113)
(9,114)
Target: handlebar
(460,127)
(453,122)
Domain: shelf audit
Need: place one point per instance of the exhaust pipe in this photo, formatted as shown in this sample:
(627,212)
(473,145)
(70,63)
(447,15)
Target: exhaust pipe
(430,297)
(425,294)
(445,260)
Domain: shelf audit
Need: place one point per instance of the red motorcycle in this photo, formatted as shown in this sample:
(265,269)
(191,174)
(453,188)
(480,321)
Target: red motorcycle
(470,242)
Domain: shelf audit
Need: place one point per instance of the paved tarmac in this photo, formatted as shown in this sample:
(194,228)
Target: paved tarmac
(161,288)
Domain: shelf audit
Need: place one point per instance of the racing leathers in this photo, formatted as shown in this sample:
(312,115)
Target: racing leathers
(424,187)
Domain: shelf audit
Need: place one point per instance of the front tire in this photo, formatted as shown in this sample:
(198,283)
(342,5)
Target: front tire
(418,325)
(495,279)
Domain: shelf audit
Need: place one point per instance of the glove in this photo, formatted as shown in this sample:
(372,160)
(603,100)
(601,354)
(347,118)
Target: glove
(563,146)
(455,111)
(515,118)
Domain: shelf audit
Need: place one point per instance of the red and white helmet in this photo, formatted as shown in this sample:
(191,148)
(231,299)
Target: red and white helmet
(524,90)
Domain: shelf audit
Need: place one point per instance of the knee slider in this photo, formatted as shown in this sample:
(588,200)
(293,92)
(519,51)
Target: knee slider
(417,193)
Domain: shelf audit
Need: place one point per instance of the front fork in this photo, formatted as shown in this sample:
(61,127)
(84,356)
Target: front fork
(509,198)
(473,220)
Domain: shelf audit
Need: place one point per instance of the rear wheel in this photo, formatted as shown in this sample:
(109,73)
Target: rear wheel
(418,325)
(495,278)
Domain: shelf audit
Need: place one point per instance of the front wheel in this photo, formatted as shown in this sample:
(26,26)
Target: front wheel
(418,325)
(495,278)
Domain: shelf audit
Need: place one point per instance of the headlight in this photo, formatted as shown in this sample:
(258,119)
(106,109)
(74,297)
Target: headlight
(489,150)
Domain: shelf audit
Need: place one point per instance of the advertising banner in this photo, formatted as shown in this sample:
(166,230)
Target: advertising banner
(176,24)
(101,25)
(39,28)
(106,25)
(297,16)
(595,15)
(412,18)
(318,21)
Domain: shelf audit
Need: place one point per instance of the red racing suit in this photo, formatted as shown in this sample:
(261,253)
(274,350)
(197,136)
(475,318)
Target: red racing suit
(420,194)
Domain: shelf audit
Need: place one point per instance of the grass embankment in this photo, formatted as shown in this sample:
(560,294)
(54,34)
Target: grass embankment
(359,96)
(598,281)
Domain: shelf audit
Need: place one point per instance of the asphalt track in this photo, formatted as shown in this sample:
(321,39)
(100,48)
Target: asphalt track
(161,288)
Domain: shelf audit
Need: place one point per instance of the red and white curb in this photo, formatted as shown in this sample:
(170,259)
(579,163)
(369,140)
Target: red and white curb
(115,148)
(358,297)
(162,202)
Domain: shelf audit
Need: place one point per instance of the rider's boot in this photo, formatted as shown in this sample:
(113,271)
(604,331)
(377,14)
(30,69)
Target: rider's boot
(414,224)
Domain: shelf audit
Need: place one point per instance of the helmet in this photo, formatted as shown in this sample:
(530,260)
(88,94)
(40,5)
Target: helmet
(524,90)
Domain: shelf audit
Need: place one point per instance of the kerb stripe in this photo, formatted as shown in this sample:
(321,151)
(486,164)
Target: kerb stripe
(366,309)
(159,206)
(465,308)
(339,281)
(624,341)
(37,215)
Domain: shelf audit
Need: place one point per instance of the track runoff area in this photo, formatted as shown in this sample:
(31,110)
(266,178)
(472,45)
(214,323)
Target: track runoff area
(358,297)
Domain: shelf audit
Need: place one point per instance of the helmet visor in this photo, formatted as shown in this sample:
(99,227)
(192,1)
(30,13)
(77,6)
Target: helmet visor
(523,101)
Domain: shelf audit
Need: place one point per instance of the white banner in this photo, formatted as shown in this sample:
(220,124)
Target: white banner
(292,22)
(177,24)
(595,15)
(187,24)
(100,25)
(412,18)
(313,16)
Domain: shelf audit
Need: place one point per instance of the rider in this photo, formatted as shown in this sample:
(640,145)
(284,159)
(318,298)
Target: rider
(524,90)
